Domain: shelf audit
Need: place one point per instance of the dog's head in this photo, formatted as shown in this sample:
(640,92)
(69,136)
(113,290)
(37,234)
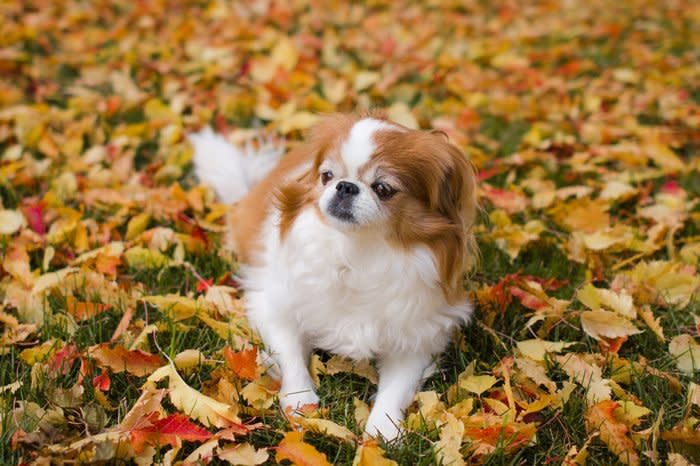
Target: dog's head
(411,187)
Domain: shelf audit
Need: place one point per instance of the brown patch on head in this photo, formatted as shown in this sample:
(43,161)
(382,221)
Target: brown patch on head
(323,141)
(435,204)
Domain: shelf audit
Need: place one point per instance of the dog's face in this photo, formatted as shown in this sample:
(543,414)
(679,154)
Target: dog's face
(411,187)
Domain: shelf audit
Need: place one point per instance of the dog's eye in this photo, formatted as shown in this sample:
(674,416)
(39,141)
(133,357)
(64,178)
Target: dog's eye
(326,176)
(384,190)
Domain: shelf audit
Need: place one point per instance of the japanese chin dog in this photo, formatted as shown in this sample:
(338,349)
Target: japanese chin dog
(356,242)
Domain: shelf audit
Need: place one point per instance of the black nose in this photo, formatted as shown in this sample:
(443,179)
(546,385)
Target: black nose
(347,189)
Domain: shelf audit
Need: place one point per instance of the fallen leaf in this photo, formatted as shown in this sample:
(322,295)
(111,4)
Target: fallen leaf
(206,410)
(243,454)
(605,324)
(243,363)
(294,449)
(170,430)
(686,352)
(613,433)
(119,359)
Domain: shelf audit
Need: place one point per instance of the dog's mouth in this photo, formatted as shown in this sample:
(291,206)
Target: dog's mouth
(342,209)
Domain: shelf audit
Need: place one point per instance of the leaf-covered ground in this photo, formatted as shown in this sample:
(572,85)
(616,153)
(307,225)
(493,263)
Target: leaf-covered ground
(122,330)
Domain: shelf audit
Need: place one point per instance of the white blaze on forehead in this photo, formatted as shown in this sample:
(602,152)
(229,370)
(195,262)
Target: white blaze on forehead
(359,145)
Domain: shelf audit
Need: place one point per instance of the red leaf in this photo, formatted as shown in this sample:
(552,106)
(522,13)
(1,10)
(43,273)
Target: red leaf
(170,430)
(243,363)
(528,300)
(34,212)
(102,382)
(63,359)
(203,285)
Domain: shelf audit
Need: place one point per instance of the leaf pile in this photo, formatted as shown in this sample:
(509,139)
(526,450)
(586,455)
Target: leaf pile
(122,330)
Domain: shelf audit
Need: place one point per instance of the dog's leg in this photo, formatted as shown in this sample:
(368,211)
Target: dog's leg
(292,355)
(400,376)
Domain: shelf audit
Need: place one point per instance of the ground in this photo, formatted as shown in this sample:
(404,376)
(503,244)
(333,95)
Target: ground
(123,334)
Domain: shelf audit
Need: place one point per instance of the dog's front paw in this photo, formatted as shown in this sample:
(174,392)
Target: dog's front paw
(383,425)
(294,401)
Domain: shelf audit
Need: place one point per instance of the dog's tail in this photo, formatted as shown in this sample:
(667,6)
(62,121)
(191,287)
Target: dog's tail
(232,170)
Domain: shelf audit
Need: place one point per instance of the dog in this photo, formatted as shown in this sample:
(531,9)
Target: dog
(356,242)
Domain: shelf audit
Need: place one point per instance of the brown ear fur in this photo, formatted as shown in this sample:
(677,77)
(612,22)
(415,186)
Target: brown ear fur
(442,211)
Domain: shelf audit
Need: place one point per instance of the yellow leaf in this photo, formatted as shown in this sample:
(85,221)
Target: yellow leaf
(447,447)
(401,114)
(244,454)
(536,349)
(11,221)
(137,225)
(676,459)
(369,454)
(653,323)
(630,413)
(174,306)
(605,324)
(694,394)
(298,121)
(198,406)
(660,282)
(365,79)
(617,190)
(597,298)
(362,368)
(664,157)
(51,280)
(477,384)
(285,54)
(362,412)
(188,359)
(326,427)
(155,109)
(260,394)
(141,258)
(40,353)
(686,352)
(536,373)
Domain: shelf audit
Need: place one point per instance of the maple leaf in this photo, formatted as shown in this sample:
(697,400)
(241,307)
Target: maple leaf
(294,449)
(613,433)
(119,359)
(243,363)
(170,430)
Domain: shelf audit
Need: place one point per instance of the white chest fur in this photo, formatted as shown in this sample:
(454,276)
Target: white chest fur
(350,293)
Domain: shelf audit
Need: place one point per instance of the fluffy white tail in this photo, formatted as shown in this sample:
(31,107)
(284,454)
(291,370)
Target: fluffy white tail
(232,170)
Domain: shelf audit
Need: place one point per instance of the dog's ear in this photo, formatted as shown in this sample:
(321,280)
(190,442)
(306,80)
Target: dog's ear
(457,202)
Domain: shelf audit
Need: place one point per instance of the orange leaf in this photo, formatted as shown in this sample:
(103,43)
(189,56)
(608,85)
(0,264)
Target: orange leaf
(170,430)
(102,382)
(120,359)
(294,449)
(243,363)
(612,432)
(84,310)
(509,436)
(107,265)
